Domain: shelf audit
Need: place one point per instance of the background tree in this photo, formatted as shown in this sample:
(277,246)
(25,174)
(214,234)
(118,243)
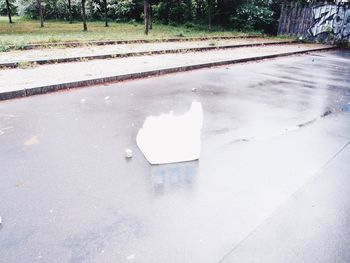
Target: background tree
(146,15)
(257,15)
(150,20)
(83,10)
(106,12)
(210,6)
(8,7)
(41,15)
(70,11)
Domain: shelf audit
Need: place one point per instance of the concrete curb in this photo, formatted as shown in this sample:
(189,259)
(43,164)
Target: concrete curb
(144,74)
(130,41)
(133,54)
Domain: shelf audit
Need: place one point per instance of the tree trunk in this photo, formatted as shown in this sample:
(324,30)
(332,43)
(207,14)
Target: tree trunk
(150,13)
(9,11)
(189,10)
(84,14)
(167,11)
(40,13)
(209,15)
(70,12)
(145,14)
(106,13)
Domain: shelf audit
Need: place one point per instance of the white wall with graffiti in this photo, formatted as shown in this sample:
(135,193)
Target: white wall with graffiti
(320,22)
(331,19)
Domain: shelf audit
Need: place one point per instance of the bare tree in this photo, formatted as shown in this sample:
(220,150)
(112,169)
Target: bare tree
(8,7)
(106,13)
(41,16)
(146,16)
(84,14)
(70,11)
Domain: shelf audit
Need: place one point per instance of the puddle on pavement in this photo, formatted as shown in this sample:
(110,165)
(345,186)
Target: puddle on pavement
(287,130)
(167,178)
(170,138)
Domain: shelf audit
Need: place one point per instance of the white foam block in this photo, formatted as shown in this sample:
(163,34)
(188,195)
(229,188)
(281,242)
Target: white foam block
(169,138)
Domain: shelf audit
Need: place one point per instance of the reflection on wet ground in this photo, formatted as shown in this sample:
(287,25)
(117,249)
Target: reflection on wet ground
(346,107)
(167,178)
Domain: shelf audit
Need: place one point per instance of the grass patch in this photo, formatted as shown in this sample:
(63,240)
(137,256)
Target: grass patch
(4,47)
(27,64)
(213,43)
(24,31)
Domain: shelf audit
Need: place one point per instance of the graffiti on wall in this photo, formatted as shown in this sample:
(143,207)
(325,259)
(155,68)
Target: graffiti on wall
(331,19)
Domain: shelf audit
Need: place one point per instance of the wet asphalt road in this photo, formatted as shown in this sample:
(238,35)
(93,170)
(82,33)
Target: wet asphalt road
(272,183)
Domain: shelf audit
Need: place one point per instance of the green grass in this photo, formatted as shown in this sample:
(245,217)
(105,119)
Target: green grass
(24,31)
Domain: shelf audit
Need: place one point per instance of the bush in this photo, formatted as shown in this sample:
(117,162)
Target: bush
(27,8)
(96,9)
(122,10)
(254,15)
(52,9)
(173,12)
(3,8)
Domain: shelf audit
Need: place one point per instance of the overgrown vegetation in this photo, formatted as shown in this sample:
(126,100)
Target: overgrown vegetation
(238,14)
(61,19)
(24,31)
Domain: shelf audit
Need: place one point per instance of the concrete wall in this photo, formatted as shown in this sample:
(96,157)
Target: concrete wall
(320,22)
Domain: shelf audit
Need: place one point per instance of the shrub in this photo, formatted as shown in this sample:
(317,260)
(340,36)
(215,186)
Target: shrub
(3,8)
(253,15)
(173,12)
(52,9)
(122,10)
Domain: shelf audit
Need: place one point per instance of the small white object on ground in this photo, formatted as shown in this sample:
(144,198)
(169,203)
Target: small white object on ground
(170,139)
(194,90)
(0,220)
(82,101)
(107,98)
(128,153)
(130,257)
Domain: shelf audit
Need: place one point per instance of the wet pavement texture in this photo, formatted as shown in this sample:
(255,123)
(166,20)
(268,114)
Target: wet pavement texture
(271,184)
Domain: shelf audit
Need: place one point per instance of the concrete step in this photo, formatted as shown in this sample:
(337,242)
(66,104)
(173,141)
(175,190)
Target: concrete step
(18,82)
(61,55)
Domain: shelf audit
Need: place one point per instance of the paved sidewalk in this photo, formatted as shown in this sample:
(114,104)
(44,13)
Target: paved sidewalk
(13,58)
(48,78)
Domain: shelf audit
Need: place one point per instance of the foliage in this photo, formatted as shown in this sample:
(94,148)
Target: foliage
(122,10)
(56,9)
(25,31)
(173,13)
(237,14)
(27,8)
(255,14)
(3,7)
